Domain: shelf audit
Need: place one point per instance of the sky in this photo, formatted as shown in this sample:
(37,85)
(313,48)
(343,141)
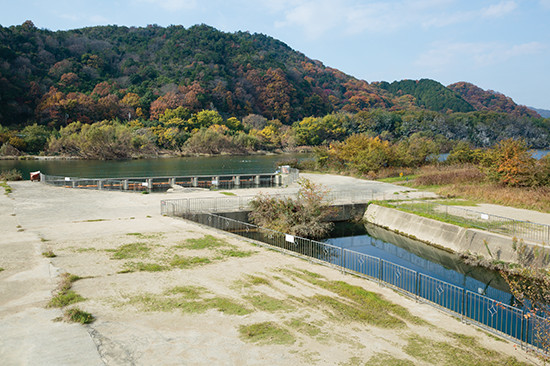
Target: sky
(501,45)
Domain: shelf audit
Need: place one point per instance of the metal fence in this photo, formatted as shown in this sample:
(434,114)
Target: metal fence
(494,316)
(161,184)
(525,230)
(178,207)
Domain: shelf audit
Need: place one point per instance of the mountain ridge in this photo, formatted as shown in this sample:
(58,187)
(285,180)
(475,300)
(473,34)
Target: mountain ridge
(107,72)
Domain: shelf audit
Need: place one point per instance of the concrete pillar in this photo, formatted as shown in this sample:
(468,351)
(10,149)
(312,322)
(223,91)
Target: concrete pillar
(237,180)
(172,182)
(257,180)
(74,184)
(195,181)
(149,184)
(125,184)
(278,180)
(100,184)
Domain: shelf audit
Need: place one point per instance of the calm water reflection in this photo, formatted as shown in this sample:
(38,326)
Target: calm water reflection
(151,167)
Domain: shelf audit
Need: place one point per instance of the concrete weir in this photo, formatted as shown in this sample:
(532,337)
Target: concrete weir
(443,235)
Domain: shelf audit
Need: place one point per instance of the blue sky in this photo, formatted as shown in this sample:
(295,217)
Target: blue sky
(502,45)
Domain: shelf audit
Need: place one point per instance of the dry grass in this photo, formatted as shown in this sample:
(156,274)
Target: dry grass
(529,198)
(439,175)
(468,182)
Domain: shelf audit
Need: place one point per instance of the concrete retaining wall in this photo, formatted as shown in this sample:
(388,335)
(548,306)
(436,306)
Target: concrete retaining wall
(445,236)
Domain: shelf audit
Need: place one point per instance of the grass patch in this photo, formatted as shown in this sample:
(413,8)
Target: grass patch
(257,281)
(227,306)
(464,351)
(428,210)
(65,298)
(78,316)
(1,269)
(133,250)
(146,236)
(384,359)
(404,178)
(49,254)
(350,312)
(266,333)
(144,267)
(206,242)
(7,188)
(95,220)
(188,262)
(357,304)
(189,292)
(236,253)
(301,326)
(227,193)
(64,295)
(188,300)
(267,303)
(83,250)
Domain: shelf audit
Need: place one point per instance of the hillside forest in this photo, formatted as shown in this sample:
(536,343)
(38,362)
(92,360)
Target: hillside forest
(111,92)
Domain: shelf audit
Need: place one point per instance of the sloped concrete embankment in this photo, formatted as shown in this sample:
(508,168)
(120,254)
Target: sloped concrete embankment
(443,235)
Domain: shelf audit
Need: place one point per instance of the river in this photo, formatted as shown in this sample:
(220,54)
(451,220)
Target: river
(151,167)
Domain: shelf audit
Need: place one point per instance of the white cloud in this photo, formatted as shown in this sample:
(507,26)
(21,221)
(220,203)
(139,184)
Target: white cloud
(500,9)
(172,5)
(316,18)
(479,55)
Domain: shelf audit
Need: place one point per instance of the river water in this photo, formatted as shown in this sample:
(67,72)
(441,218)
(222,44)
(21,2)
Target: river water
(151,167)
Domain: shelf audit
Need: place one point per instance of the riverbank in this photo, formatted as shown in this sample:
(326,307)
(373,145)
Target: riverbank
(167,291)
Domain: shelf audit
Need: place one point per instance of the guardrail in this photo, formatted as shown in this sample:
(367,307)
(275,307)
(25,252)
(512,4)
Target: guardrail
(155,184)
(494,316)
(178,207)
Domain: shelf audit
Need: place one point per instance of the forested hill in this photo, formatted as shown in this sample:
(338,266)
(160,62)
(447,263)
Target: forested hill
(109,72)
(489,100)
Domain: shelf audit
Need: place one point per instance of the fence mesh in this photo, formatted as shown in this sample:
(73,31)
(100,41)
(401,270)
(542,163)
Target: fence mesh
(504,320)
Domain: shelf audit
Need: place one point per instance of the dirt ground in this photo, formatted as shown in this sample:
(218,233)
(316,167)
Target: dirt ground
(164,291)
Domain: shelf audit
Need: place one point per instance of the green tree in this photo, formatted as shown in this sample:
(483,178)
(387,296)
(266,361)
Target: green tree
(35,138)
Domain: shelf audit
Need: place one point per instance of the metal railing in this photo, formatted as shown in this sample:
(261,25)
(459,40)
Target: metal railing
(494,316)
(178,207)
(525,230)
(159,184)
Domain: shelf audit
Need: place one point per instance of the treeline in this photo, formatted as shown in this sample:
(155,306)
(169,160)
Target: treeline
(180,131)
(508,163)
(110,72)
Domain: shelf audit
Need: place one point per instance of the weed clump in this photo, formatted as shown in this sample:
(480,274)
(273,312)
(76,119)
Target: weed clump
(79,316)
(133,250)
(49,254)
(64,295)
(266,333)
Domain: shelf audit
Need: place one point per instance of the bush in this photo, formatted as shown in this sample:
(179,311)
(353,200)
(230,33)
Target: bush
(210,141)
(304,216)
(9,150)
(11,175)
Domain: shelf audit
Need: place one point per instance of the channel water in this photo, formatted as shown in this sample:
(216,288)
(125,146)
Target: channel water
(420,257)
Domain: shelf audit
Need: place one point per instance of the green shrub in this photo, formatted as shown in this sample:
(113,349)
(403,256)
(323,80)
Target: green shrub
(10,175)
(78,316)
